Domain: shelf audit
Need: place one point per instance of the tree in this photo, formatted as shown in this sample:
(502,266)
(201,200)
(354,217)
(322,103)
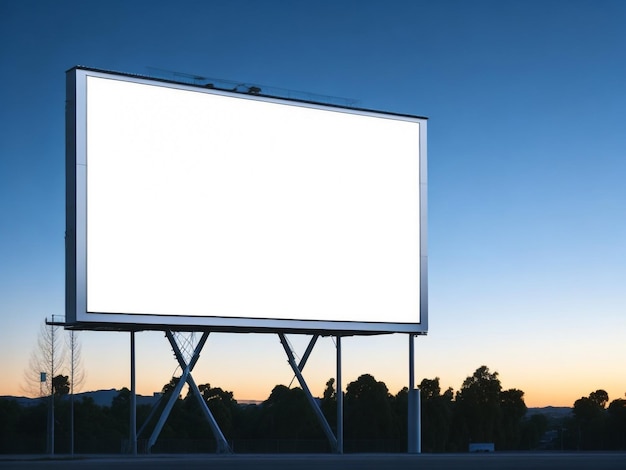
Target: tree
(46,361)
(75,361)
(222,405)
(532,430)
(436,415)
(169,387)
(400,409)
(600,398)
(328,403)
(174,426)
(61,385)
(512,411)
(478,407)
(97,430)
(9,418)
(430,388)
(287,414)
(590,420)
(617,423)
(368,412)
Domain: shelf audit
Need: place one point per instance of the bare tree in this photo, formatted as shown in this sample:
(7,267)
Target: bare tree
(46,361)
(75,361)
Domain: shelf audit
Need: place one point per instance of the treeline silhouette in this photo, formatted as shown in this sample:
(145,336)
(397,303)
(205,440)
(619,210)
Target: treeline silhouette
(374,420)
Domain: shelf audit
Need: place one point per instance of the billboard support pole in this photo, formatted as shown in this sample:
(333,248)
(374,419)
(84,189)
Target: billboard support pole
(133,397)
(414,445)
(339,397)
(318,412)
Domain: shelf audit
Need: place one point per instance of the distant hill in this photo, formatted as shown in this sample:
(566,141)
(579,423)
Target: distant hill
(551,412)
(100,397)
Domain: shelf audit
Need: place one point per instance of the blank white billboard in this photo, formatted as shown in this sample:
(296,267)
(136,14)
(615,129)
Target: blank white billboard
(202,208)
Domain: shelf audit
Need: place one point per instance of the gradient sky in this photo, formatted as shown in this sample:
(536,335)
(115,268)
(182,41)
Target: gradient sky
(527,157)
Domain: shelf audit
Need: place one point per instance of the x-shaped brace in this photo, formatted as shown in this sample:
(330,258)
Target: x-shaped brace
(186,377)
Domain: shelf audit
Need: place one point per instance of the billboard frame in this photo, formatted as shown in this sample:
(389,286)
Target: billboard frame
(77,315)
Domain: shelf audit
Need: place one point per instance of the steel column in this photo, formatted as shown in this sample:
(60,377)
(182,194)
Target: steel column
(339,397)
(414,445)
(133,398)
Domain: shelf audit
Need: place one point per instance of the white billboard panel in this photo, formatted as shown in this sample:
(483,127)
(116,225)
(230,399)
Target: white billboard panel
(203,208)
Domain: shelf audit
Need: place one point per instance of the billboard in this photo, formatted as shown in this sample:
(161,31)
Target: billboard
(198,208)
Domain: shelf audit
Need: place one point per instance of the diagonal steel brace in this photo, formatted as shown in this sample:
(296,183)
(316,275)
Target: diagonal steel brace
(222,445)
(318,412)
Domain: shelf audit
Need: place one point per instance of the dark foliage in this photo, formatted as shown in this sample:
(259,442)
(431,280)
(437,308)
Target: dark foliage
(374,420)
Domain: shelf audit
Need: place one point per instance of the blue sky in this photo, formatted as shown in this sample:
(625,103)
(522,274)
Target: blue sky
(526,152)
